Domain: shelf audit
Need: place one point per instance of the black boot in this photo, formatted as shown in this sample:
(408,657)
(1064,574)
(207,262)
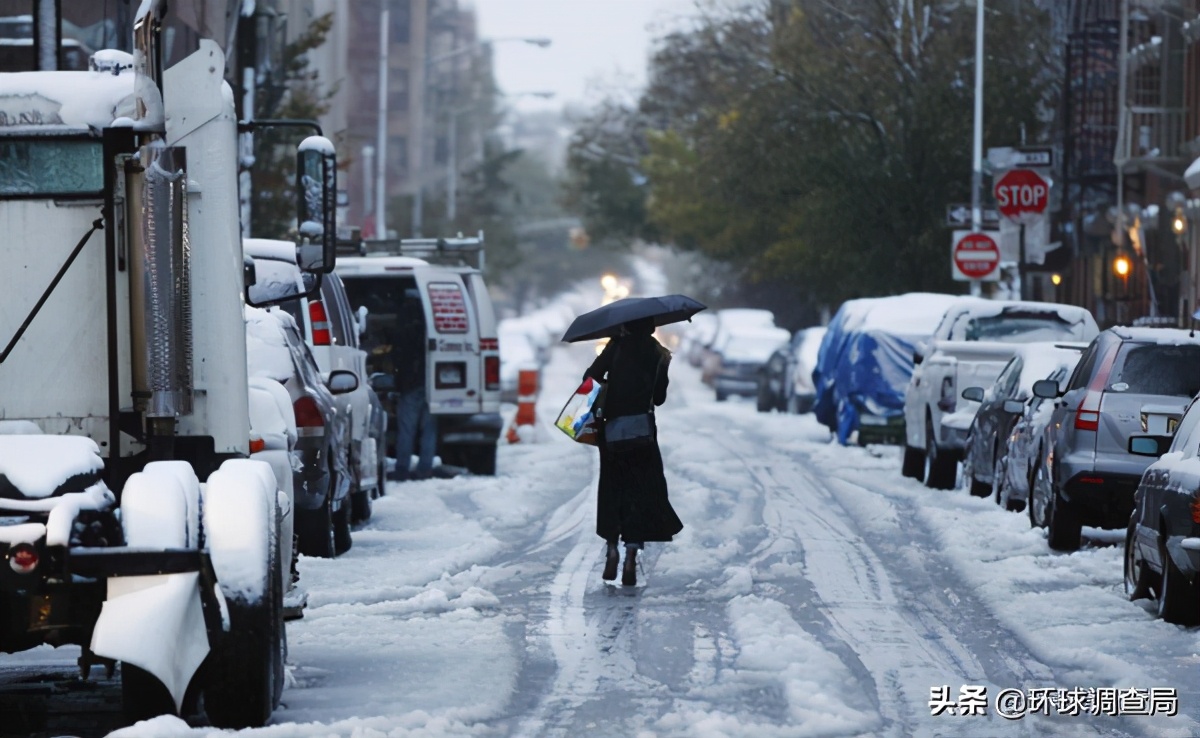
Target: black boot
(629,572)
(611,558)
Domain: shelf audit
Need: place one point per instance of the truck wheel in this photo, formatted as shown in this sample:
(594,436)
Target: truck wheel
(244,672)
(341,529)
(914,463)
(1064,531)
(316,531)
(142,695)
(1179,600)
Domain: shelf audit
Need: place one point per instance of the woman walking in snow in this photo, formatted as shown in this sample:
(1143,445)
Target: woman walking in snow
(632,505)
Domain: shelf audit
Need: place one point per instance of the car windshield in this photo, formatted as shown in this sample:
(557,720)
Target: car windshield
(1158,369)
(1022,327)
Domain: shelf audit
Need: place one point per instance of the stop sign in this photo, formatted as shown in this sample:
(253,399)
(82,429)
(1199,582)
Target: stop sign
(976,256)
(1022,191)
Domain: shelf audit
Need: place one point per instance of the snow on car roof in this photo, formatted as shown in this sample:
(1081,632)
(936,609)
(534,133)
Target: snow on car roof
(267,353)
(911,314)
(64,100)
(38,464)
(1156,335)
(1041,358)
(357,266)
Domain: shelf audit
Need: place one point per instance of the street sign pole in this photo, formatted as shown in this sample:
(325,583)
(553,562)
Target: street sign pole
(977,163)
(1022,269)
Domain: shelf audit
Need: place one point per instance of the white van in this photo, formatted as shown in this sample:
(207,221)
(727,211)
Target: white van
(463,366)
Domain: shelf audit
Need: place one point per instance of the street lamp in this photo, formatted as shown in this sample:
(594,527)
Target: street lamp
(418,119)
(1121,266)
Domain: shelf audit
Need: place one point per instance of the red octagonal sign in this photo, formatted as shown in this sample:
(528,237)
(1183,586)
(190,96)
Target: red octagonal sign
(976,256)
(1021,191)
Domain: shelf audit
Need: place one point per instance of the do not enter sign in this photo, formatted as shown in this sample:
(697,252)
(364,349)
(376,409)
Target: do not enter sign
(1022,191)
(975,256)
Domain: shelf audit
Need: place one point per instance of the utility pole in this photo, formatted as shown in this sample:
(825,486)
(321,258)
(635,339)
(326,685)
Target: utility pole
(381,132)
(977,158)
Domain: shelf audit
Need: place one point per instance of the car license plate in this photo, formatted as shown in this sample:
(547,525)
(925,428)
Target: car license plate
(449,376)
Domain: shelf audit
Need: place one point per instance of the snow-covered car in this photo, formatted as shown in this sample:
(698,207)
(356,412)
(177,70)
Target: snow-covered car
(332,333)
(741,357)
(1162,543)
(697,336)
(1129,381)
(1002,406)
(865,361)
(273,440)
(785,381)
(972,343)
(730,322)
(321,483)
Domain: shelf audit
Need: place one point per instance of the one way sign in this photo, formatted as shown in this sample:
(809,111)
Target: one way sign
(958,215)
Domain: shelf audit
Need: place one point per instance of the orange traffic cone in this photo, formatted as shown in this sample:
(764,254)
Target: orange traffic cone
(527,389)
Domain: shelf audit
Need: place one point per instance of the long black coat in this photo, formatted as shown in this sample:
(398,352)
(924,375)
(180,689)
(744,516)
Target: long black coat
(632,502)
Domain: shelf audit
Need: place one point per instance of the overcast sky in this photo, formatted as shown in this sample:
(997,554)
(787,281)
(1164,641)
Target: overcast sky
(598,46)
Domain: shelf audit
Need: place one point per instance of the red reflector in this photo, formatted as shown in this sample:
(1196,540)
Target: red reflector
(257,444)
(489,344)
(320,323)
(308,414)
(23,558)
(1196,510)
(1090,480)
(491,372)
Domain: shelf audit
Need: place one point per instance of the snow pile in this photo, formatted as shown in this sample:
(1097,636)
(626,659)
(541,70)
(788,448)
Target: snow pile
(76,100)
(38,464)
(267,353)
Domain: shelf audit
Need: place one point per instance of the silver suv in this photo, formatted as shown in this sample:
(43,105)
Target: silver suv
(1129,381)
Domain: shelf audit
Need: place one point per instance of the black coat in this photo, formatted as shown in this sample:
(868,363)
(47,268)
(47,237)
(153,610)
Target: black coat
(632,502)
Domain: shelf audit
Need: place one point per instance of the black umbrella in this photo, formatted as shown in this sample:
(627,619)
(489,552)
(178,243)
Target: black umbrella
(603,322)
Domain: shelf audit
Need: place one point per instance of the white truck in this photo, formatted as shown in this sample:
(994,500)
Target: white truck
(133,522)
(970,347)
(463,345)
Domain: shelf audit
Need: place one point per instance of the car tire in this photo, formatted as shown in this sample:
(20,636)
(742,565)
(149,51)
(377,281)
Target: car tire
(763,400)
(974,486)
(1137,574)
(940,469)
(1179,599)
(342,540)
(721,396)
(913,465)
(316,530)
(1064,531)
(1037,500)
(360,506)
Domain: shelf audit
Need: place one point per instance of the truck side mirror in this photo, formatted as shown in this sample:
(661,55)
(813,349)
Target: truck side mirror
(316,202)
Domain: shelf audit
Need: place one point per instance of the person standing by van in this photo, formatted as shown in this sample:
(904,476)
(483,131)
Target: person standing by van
(415,424)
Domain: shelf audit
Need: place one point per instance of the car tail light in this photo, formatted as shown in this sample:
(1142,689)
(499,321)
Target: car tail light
(1087,417)
(320,323)
(257,444)
(1196,510)
(1090,480)
(23,558)
(491,372)
(309,421)
(489,344)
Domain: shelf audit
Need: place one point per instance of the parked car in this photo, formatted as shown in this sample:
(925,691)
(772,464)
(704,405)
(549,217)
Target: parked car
(332,332)
(865,361)
(1001,406)
(972,343)
(321,480)
(1162,543)
(785,381)
(730,322)
(1026,444)
(740,357)
(1129,381)
(699,334)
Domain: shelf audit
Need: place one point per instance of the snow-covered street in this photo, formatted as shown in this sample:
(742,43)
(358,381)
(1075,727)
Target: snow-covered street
(813,593)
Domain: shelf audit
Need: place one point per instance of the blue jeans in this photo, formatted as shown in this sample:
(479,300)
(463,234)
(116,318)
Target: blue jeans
(414,425)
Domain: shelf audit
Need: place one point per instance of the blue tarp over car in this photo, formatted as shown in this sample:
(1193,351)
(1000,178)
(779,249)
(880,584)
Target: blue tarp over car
(866,358)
